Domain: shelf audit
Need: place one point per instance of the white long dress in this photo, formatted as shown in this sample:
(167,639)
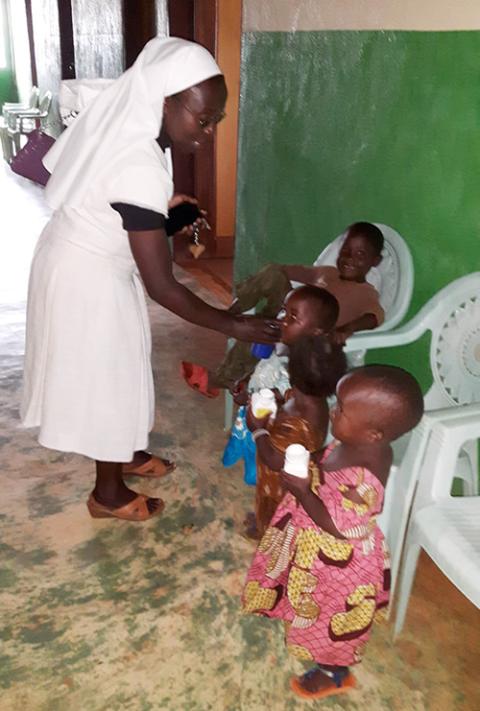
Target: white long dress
(88,378)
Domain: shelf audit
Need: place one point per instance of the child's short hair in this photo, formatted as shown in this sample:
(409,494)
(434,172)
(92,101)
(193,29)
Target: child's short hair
(316,365)
(371,232)
(324,305)
(399,397)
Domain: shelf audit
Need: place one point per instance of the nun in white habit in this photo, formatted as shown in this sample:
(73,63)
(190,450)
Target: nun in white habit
(88,381)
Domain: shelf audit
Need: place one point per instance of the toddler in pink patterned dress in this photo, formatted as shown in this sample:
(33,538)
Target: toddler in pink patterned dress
(322,565)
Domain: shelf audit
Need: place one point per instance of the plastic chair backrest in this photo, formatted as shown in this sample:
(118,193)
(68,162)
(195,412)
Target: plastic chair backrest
(45,102)
(401,485)
(399,495)
(453,318)
(393,278)
(454,321)
(447,438)
(34,95)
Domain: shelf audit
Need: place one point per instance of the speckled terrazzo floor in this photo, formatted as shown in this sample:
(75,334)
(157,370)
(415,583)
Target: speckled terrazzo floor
(107,615)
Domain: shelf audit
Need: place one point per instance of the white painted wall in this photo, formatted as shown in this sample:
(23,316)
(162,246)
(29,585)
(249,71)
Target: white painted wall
(288,15)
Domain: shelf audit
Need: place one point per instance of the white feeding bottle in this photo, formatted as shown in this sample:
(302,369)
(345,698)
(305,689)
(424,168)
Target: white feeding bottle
(264,403)
(297,459)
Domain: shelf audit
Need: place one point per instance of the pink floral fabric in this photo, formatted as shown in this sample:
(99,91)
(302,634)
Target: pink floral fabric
(327,590)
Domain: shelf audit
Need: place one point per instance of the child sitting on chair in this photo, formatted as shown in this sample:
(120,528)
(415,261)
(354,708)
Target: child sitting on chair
(359,302)
(315,366)
(322,566)
(308,310)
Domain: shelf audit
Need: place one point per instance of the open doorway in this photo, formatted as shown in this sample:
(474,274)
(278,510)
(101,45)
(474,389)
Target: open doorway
(8,86)
(105,38)
(211,174)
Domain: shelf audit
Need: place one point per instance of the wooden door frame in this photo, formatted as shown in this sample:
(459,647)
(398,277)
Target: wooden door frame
(67,44)
(196,20)
(139,26)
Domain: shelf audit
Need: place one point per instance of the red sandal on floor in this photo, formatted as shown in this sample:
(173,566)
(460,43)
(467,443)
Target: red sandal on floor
(196,377)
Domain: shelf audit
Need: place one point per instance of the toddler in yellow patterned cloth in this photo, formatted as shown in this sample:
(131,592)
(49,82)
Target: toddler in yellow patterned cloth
(322,565)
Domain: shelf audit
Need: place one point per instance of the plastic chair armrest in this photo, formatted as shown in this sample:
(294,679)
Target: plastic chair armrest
(366,340)
(465,424)
(30,113)
(453,414)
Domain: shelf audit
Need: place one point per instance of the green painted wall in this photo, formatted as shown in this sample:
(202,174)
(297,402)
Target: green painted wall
(343,126)
(8,87)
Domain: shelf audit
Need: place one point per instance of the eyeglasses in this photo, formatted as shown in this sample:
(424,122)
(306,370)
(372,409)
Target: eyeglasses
(203,123)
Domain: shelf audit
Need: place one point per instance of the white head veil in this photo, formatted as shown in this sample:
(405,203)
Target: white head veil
(125,114)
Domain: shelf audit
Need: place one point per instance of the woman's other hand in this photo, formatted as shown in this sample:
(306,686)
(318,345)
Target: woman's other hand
(200,223)
(254,329)
(178,198)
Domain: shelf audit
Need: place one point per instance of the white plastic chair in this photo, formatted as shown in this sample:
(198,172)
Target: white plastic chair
(8,146)
(403,480)
(447,528)
(453,318)
(393,279)
(25,120)
(32,103)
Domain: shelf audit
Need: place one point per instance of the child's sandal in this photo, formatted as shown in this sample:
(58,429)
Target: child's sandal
(343,680)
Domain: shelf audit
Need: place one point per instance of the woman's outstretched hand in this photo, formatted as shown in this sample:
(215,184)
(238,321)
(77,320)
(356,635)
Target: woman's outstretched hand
(255,329)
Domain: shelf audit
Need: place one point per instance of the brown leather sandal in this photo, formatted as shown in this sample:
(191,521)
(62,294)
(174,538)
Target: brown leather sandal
(136,510)
(153,468)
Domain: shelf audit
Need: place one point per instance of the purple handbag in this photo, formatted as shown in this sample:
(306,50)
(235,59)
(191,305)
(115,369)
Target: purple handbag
(28,161)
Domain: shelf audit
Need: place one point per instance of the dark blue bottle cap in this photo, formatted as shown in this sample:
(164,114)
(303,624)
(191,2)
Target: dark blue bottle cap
(262,350)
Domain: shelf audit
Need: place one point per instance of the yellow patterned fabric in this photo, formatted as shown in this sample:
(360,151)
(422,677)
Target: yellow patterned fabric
(300,652)
(328,590)
(269,492)
(311,542)
(361,608)
(258,598)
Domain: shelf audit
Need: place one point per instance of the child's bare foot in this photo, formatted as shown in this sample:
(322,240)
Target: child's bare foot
(316,683)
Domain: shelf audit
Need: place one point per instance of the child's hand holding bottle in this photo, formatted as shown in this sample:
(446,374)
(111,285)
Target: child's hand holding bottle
(264,403)
(240,392)
(295,474)
(256,423)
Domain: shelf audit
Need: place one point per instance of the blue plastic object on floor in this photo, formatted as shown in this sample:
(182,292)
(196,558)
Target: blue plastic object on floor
(261,350)
(240,445)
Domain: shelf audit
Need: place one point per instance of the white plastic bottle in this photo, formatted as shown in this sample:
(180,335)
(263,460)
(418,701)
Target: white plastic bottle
(264,403)
(297,459)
